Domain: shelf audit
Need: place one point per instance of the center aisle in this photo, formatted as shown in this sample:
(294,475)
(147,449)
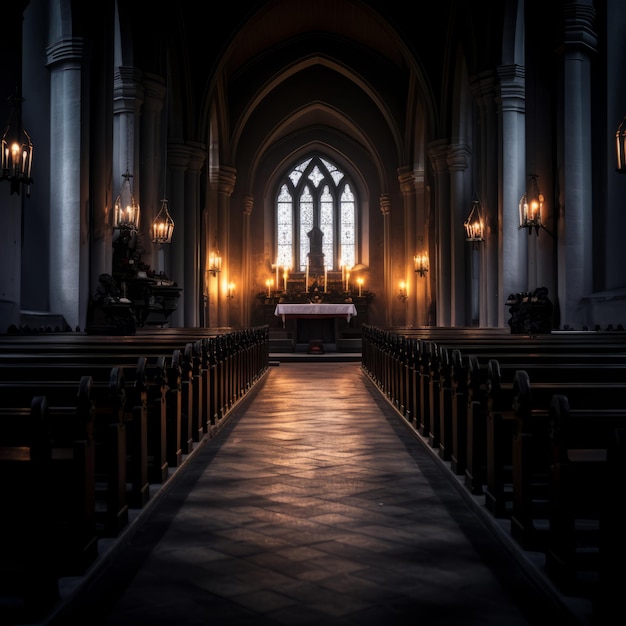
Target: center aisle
(314,504)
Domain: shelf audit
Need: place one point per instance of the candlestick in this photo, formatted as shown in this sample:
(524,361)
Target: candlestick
(306,280)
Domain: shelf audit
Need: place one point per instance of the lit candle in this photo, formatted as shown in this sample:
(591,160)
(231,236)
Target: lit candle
(268,283)
(306,280)
(325,278)
(285,274)
(347,280)
(360,281)
(277,283)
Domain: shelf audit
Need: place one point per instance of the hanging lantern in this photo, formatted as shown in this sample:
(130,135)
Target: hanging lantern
(474,224)
(215,260)
(531,206)
(126,209)
(163,225)
(17,151)
(421,263)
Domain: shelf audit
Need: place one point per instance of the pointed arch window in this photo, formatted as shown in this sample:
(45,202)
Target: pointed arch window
(316,193)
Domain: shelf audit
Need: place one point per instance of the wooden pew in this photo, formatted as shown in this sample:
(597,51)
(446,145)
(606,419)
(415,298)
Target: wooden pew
(533,453)
(28,574)
(503,420)
(482,383)
(110,426)
(608,601)
(579,492)
(144,415)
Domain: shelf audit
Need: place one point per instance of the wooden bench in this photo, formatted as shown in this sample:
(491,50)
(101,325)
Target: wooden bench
(28,574)
(580,491)
(144,399)
(533,452)
(482,382)
(47,481)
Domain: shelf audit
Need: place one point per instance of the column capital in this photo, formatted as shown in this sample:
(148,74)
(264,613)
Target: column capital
(579,20)
(248,203)
(512,88)
(438,154)
(458,156)
(406,178)
(66,51)
(226,178)
(385,203)
(128,90)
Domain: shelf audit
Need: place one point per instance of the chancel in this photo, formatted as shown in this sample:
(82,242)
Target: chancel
(339,341)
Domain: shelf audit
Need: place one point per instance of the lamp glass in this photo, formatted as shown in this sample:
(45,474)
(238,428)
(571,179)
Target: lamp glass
(126,209)
(163,225)
(16,158)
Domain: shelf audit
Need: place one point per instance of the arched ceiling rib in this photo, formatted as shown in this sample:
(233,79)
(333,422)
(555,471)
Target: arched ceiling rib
(292,71)
(318,120)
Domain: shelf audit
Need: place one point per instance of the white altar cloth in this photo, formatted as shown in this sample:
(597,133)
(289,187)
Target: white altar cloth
(315,310)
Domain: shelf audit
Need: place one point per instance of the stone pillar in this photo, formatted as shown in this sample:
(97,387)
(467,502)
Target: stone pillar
(245,277)
(440,265)
(575,253)
(512,255)
(152,149)
(226,184)
(192,281)
(178,161)
(406,179)
(69,243)
(483,88)
(458,162)
(390,287)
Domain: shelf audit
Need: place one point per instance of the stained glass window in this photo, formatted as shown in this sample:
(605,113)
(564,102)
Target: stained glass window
(316,194)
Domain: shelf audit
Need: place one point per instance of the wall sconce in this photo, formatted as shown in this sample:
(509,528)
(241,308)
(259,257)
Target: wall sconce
(126,209)
(474,224)
(215,260)
(421,263)
(402,294)
(231,290)
(17,150)
(163,225)
(531,206)
(620,147)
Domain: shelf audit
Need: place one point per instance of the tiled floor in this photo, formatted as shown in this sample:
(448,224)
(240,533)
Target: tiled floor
(315,504)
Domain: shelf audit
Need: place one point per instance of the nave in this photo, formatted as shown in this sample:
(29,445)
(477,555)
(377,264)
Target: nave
(314,504)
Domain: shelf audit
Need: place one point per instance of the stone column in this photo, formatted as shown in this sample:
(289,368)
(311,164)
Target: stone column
(69,245)
(574,247)
(390,287)
(441,265)
(483,88)
(192,280)
(246,260)
(226,184)
(458,162)
(178,162)
(152,149)
(512,254)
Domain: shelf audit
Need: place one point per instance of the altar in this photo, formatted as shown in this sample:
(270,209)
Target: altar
(316,323)
(315,310)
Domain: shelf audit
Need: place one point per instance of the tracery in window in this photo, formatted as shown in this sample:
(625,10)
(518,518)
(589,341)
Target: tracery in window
(316,194)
